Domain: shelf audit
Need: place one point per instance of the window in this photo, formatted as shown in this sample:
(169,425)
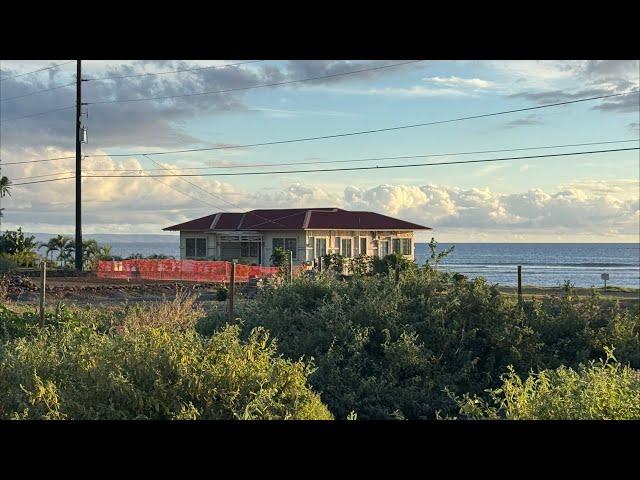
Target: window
(346,247)
(196,247)
(287,244)
(396,245)
(290,244)
(384,248)
(336,246)
(321,247)
(249,249)
(406,246)
(363,245)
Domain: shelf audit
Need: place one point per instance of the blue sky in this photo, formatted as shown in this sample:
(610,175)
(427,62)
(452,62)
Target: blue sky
(579,198)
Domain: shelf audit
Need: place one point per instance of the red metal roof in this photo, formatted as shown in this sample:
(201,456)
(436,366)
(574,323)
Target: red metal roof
(298,219)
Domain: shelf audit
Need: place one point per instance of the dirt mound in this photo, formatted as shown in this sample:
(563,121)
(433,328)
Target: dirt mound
(13,285)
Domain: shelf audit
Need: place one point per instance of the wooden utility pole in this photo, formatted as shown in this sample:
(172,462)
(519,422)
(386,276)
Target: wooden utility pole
(519,282)
(78,241)
(232,290)
(43,287)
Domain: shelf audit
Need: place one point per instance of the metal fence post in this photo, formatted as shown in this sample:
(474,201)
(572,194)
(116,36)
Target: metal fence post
(232,290)
(43,286)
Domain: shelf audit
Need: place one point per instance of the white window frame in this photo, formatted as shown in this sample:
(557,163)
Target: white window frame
(294,252)
(366,245)
(315,246)
(342,239)
(195,247)
(380,243)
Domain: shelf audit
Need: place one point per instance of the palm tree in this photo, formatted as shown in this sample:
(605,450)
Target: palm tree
(5,189)
(90,249)
(50,246)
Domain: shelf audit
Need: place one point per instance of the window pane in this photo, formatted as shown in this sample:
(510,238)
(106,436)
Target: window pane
(278,243)
(191,247)
(363,246)
(337,245)
(346,247)
(321,247)
(201,247)
(384,249)
(290,244)
(406,246)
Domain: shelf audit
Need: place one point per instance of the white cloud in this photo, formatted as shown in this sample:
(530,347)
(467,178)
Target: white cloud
(465,82)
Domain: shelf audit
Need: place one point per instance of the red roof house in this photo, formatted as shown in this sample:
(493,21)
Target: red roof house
(307,232)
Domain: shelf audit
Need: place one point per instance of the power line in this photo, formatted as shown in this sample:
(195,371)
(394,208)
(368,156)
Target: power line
(37,91)
(220,197)
(37,114)
(370,159)
(367,132)
(342,169)
(275,84)
(42,181)
(173,71)
(187,181)
(320,162)
(180,191)
(38,161)
(39,70)
(372,167)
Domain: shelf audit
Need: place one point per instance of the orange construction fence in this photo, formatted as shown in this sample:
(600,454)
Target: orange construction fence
(192,270)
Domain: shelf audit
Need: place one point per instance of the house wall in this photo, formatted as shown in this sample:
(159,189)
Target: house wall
(373,238)
(305,243)
(217,247)
(301,248)
(212,244)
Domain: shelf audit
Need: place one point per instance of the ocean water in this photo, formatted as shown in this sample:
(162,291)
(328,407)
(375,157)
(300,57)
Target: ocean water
(543,264)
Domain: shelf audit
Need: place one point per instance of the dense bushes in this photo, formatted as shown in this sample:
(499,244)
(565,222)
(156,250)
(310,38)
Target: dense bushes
(141,364)
(602,390)
(390,350)
(425,346)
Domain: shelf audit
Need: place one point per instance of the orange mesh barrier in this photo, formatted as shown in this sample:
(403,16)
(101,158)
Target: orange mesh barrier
(191,270)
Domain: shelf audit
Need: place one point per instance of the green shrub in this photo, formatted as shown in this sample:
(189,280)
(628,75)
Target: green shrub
(135,366)
(7,263)
(390,351)
(222,293)
(603,390)
(387,264)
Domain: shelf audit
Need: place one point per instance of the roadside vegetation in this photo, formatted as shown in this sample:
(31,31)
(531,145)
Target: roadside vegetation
(145,363)
(407,349)
(390,341)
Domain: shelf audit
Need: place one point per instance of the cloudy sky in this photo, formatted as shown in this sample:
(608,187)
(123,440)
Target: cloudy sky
(563,199)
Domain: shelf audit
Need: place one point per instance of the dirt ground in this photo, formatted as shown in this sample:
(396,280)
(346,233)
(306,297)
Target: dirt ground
(627,296)
(100,291)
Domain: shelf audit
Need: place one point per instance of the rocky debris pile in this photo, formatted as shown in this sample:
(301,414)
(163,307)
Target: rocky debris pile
(13,285)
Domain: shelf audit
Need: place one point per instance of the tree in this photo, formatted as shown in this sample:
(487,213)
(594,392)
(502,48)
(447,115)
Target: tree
(13,242)
(5,189)
(50,247)
(438,256)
